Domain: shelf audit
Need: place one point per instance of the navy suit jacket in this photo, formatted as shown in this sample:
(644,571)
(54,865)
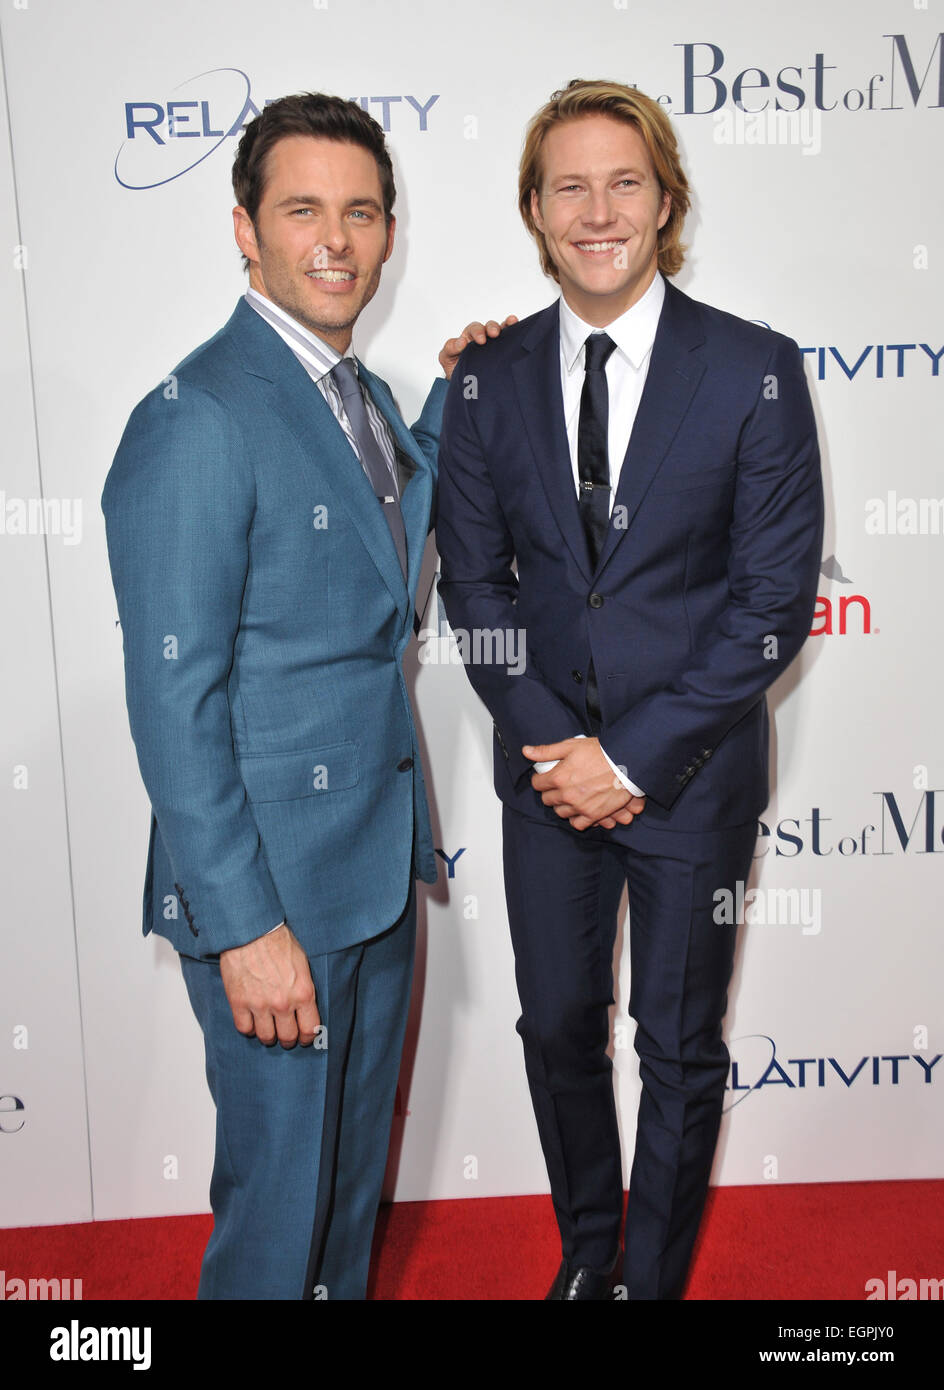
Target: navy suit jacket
(706,583)
(265,616)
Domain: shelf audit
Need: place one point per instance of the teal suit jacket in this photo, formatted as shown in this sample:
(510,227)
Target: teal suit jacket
(265,617)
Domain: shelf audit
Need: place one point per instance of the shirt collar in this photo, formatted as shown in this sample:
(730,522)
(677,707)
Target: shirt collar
(318,357)
(633,332)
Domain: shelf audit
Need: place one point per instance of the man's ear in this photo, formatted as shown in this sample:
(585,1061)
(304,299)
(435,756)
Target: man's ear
(536,210)
(666,209)
(245,234)
(391,228)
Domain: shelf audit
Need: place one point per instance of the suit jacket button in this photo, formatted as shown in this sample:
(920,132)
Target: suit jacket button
(596,600)
(404,764)
(577,676)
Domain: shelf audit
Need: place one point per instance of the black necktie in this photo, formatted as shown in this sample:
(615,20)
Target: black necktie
(593,459)
(375,465)
(593,467)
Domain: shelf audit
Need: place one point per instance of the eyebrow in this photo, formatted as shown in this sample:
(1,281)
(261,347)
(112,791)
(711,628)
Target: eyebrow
(613,174)
(310,200)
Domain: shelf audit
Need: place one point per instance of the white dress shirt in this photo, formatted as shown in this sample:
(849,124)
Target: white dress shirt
(626,368)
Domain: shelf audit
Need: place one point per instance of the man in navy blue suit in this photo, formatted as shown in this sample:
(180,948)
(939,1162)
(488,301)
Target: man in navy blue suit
(266,521)
(633,479)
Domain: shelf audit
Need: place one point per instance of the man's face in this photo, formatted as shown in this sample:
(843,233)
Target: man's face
(600,208)
(319,237)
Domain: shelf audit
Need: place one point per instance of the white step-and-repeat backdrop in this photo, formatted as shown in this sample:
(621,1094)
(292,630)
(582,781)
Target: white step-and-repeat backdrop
(812,135)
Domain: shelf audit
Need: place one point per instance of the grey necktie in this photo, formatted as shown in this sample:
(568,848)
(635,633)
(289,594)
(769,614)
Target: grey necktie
(375,465)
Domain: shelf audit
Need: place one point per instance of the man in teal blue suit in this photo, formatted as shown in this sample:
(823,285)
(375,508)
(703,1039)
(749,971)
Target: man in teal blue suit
(266,514)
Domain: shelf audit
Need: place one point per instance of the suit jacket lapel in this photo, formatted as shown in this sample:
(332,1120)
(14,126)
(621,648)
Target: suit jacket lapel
(330,460)
(416,497)
(538,383)
(675,369)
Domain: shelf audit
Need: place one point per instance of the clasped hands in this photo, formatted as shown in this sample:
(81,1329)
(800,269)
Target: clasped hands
(582,788)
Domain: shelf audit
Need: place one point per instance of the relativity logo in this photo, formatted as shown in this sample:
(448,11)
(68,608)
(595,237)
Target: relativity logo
(875,361)
(165,139)
(755,1065)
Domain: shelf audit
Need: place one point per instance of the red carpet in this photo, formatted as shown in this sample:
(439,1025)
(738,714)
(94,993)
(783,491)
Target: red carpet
(805,1241)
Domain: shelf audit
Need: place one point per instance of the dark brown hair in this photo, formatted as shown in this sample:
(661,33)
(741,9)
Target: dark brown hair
(307,113)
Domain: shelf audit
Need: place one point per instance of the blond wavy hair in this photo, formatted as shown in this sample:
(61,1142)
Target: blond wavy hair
(580,98)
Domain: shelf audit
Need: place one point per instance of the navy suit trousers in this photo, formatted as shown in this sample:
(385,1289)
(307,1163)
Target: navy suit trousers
(563,889)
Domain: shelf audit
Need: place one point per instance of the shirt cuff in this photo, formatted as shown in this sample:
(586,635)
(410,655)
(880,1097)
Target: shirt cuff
(620,772)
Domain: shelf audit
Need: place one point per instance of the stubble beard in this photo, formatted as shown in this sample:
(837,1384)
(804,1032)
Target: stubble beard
(283,291)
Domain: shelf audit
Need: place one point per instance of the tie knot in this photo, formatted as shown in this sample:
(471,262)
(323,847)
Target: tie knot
(346,377)
(597,351)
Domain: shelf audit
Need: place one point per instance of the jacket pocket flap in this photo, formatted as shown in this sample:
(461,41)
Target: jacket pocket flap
(307,772)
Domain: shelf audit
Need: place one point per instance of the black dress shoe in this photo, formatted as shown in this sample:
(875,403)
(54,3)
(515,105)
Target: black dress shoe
(583,1284)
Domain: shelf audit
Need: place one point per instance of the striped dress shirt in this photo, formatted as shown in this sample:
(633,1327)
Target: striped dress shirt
(319,360)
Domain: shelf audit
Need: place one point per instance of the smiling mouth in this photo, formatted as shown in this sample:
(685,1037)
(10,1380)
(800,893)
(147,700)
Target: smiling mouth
(331,277)
(596,248)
